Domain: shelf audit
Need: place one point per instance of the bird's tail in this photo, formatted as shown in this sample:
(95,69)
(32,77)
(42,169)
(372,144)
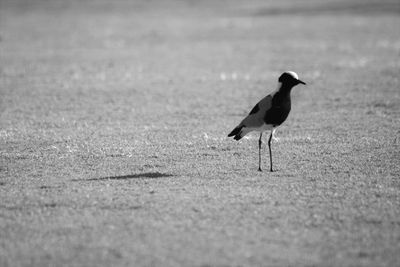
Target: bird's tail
(237,132)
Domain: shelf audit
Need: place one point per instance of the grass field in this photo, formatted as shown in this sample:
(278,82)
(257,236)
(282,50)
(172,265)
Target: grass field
(114,116)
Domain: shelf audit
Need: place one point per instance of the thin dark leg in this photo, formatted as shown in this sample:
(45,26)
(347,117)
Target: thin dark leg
(259,153)
(270,152)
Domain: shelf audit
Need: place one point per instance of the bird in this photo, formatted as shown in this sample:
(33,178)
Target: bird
(269,113)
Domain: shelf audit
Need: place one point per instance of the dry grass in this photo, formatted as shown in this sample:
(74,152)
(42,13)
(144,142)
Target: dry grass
(114,116)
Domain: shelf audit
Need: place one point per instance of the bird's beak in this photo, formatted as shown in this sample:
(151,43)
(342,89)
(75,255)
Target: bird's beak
(301,82)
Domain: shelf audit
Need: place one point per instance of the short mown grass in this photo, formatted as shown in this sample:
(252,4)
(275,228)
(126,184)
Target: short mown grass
(114,116)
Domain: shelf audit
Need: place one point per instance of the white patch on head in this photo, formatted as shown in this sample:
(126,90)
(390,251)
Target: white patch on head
(293,74)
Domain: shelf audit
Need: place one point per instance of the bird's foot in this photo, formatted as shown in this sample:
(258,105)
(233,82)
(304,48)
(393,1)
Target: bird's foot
(259,169)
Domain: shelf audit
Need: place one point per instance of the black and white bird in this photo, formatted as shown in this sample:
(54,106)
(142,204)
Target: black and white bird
(269,113)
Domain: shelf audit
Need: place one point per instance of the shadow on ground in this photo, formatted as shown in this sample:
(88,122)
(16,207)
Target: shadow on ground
(148,175)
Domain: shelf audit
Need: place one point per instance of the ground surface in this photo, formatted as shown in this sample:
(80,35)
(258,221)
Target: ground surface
(114,115)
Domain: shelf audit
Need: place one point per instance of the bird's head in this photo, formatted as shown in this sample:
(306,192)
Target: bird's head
(290,79)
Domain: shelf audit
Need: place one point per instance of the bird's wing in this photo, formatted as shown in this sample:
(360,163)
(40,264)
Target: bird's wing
(256,115)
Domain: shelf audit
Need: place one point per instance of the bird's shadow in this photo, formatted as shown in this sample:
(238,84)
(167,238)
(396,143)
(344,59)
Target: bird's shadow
(147,175)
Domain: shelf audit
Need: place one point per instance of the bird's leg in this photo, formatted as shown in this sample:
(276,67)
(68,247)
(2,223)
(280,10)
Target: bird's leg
(259,153)
(270,152)
(274,138)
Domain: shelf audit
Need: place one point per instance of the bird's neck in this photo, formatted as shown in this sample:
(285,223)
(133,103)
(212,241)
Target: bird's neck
(284,90)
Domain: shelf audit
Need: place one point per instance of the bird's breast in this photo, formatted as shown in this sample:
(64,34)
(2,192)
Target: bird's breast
(278,112)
